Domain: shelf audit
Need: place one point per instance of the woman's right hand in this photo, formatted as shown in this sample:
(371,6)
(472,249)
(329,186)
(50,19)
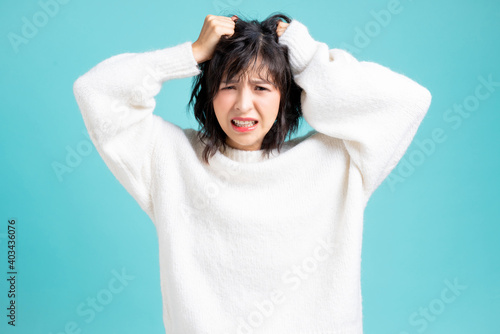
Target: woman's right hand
(213,28)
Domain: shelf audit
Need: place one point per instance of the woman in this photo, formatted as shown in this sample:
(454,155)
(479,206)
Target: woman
(256,234)
(266,91)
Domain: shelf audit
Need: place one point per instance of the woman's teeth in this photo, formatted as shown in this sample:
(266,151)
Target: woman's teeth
(243,124)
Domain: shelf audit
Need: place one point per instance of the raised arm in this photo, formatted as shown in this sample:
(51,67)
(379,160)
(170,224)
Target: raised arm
(116,99)
(374,111)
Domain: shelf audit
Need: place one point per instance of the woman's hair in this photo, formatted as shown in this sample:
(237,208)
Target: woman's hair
(233,55)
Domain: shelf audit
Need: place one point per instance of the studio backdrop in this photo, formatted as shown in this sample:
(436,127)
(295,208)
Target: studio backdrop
(79,255)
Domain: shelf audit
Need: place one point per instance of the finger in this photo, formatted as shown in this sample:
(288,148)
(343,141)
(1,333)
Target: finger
(225,22)
(226,27)
(282,25)
(226,19)
(223,31)
(213,20)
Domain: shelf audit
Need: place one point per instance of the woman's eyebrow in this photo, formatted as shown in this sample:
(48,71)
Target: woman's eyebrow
(251,81)
(261,82)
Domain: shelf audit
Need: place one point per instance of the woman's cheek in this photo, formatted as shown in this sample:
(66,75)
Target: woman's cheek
(221,101)
(270,103)
(225,99)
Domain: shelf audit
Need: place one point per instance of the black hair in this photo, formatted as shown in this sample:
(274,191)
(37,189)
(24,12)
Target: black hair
(233,55)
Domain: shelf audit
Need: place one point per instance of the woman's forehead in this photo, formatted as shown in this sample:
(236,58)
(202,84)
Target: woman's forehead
(256,68)
(251,75)
(256,79)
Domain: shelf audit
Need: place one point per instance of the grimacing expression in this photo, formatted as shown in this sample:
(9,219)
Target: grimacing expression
(248,95)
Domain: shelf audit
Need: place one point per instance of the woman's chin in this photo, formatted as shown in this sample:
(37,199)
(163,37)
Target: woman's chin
(244,145)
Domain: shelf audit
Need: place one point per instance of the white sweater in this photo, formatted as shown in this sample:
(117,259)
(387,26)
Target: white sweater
(248,244)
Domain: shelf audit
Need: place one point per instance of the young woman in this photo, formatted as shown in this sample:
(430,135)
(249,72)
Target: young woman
(256,234)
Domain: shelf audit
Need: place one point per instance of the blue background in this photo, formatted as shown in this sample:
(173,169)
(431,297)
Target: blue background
(434,220)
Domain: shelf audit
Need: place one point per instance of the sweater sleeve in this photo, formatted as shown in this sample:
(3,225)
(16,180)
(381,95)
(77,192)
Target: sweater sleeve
(117,98)
(374,111)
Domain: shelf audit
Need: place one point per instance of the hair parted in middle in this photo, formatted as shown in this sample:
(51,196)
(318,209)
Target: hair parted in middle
(237,54)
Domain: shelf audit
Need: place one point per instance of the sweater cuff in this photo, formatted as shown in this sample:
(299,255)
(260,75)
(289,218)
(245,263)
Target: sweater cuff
(174,62)
(300,44)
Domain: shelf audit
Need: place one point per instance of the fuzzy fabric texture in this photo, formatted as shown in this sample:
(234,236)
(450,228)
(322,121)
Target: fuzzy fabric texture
(250,244)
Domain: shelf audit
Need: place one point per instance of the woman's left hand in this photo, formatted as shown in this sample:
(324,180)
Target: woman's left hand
(281,28)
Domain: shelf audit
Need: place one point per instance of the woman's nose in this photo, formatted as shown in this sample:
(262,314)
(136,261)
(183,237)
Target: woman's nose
(244,100)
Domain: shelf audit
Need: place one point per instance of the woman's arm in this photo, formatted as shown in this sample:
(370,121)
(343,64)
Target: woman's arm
(116,99)
(373,110)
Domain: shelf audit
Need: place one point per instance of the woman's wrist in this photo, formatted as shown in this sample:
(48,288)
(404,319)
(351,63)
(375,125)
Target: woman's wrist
(197,54)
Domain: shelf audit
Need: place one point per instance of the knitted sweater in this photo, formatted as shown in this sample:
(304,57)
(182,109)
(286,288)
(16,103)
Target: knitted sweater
(250,244)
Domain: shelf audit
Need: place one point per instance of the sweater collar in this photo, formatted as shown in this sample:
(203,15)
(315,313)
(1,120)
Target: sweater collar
(246,156)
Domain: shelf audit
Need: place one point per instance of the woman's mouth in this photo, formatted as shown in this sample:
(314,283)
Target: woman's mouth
(243,126)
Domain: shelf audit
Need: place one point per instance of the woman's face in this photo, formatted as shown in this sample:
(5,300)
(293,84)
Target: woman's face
(251,98)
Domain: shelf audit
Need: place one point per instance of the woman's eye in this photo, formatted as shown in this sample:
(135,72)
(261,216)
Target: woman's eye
(257,87)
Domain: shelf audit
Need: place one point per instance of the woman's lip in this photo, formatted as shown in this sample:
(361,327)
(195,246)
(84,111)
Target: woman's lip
(244,119)
(244,129)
